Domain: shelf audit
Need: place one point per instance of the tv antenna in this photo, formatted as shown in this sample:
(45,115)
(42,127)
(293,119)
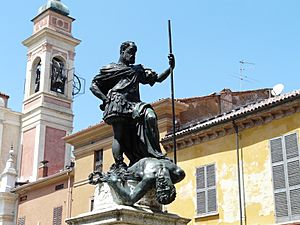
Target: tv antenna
(242,77)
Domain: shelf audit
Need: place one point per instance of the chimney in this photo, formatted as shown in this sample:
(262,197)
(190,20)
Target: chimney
(3,100)
(43,169)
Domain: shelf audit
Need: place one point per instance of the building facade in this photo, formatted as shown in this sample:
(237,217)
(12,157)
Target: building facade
(10,124)
(242,167)
(45,201)
(226,143)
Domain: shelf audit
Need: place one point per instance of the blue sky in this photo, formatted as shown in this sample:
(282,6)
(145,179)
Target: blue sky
(209,39)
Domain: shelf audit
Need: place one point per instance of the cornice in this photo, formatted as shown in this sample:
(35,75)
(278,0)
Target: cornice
(42,182)
(85,149)
(48,32)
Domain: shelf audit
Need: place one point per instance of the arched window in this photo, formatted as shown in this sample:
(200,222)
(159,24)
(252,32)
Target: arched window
(58,75)
(35,79)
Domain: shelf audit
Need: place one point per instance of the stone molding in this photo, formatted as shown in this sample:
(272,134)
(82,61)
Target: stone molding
(126,215)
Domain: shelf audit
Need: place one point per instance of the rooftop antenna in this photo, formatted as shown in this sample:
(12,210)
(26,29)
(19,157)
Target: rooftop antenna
(277,89)
(242,76)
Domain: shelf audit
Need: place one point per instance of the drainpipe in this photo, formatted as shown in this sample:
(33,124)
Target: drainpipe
(16,209)
(69,204)
(239,169)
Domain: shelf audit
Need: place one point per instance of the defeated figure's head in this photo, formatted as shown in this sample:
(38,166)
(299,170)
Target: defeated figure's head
(165,189)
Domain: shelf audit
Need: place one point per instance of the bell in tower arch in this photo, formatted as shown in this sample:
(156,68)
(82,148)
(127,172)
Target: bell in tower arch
(58,76)
(37,77)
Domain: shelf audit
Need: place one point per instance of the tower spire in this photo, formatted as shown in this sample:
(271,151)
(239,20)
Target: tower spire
(9,175)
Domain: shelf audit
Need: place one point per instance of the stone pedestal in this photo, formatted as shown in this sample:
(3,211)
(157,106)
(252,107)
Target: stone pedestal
(108,210)
(127,215)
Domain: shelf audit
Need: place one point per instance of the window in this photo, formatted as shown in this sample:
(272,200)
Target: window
(286,177)
(23,198)
(57,215)
(21,221)
(206,190)
(92,202)
(58,75)
(59,187)
(98,157)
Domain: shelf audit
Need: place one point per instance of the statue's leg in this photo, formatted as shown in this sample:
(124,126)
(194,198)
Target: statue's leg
(117,148)
(152,133)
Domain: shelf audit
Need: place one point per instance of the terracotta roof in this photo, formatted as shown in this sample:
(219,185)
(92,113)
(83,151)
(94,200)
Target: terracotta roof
(188,99)
(236,113)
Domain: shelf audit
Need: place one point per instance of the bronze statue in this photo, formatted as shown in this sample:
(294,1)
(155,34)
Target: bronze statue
(134,122)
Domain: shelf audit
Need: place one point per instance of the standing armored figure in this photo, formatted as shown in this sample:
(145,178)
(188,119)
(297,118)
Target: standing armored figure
(134,122)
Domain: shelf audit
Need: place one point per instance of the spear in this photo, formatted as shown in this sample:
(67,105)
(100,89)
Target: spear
(172,94)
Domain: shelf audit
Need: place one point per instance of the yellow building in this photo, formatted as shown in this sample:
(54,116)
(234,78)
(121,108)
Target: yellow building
(214,133)
(242,167)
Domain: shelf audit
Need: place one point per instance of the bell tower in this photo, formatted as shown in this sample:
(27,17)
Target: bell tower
(47,105)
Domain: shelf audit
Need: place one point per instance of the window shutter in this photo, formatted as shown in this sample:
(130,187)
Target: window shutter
(200,178)
(278,177)
(211,188)
(281,206)
(210,176)
(211,200)
(291,146)
(21,221)
(293,169)
(286,177)
(206,189)
(295,203)
(276,150)
(293,173)
(201,203)
(200,185)
(57,215)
